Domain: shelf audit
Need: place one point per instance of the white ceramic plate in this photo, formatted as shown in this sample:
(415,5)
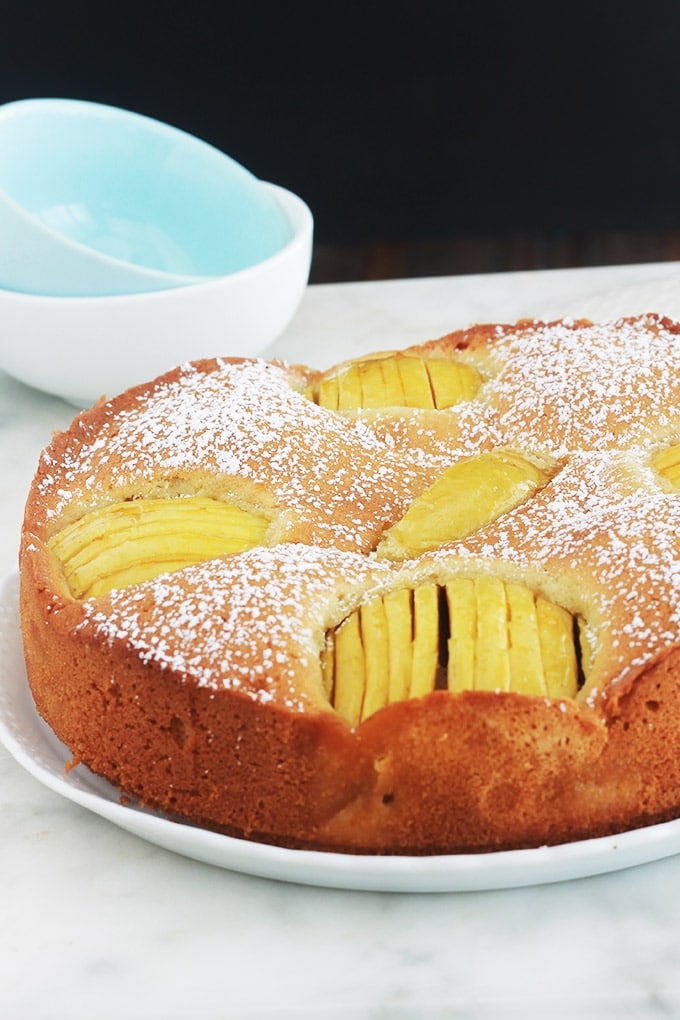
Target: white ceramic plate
(36,748)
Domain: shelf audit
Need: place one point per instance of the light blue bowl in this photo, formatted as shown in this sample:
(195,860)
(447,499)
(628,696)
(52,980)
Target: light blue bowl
(96,201)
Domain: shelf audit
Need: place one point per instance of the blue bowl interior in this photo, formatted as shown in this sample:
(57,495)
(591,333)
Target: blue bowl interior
(135,189)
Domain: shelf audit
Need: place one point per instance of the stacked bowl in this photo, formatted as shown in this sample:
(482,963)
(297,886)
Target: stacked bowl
(128,246)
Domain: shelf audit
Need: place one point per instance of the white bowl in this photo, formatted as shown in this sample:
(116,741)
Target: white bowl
(84,348)
(96,200)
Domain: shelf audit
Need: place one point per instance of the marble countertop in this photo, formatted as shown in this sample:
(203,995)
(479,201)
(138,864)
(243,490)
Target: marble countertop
(96,922)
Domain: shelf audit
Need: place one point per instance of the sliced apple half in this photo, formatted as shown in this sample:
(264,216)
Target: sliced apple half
(120,544)
(397,380)
(478,633)
(469,494)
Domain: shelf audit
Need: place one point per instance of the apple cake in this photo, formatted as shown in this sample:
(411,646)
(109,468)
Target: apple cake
(425,602)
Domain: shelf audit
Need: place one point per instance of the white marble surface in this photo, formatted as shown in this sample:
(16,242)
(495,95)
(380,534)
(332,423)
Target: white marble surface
(97,923)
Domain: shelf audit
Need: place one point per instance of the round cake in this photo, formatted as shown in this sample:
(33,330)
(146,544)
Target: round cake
(425,602)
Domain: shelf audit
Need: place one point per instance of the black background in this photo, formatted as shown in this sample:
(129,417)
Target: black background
(394,120)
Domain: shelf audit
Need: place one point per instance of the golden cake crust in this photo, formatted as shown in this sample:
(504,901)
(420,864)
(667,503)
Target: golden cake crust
(201,693)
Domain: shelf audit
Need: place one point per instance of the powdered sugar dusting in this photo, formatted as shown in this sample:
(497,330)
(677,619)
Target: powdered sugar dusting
(603,535)
(585,391)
